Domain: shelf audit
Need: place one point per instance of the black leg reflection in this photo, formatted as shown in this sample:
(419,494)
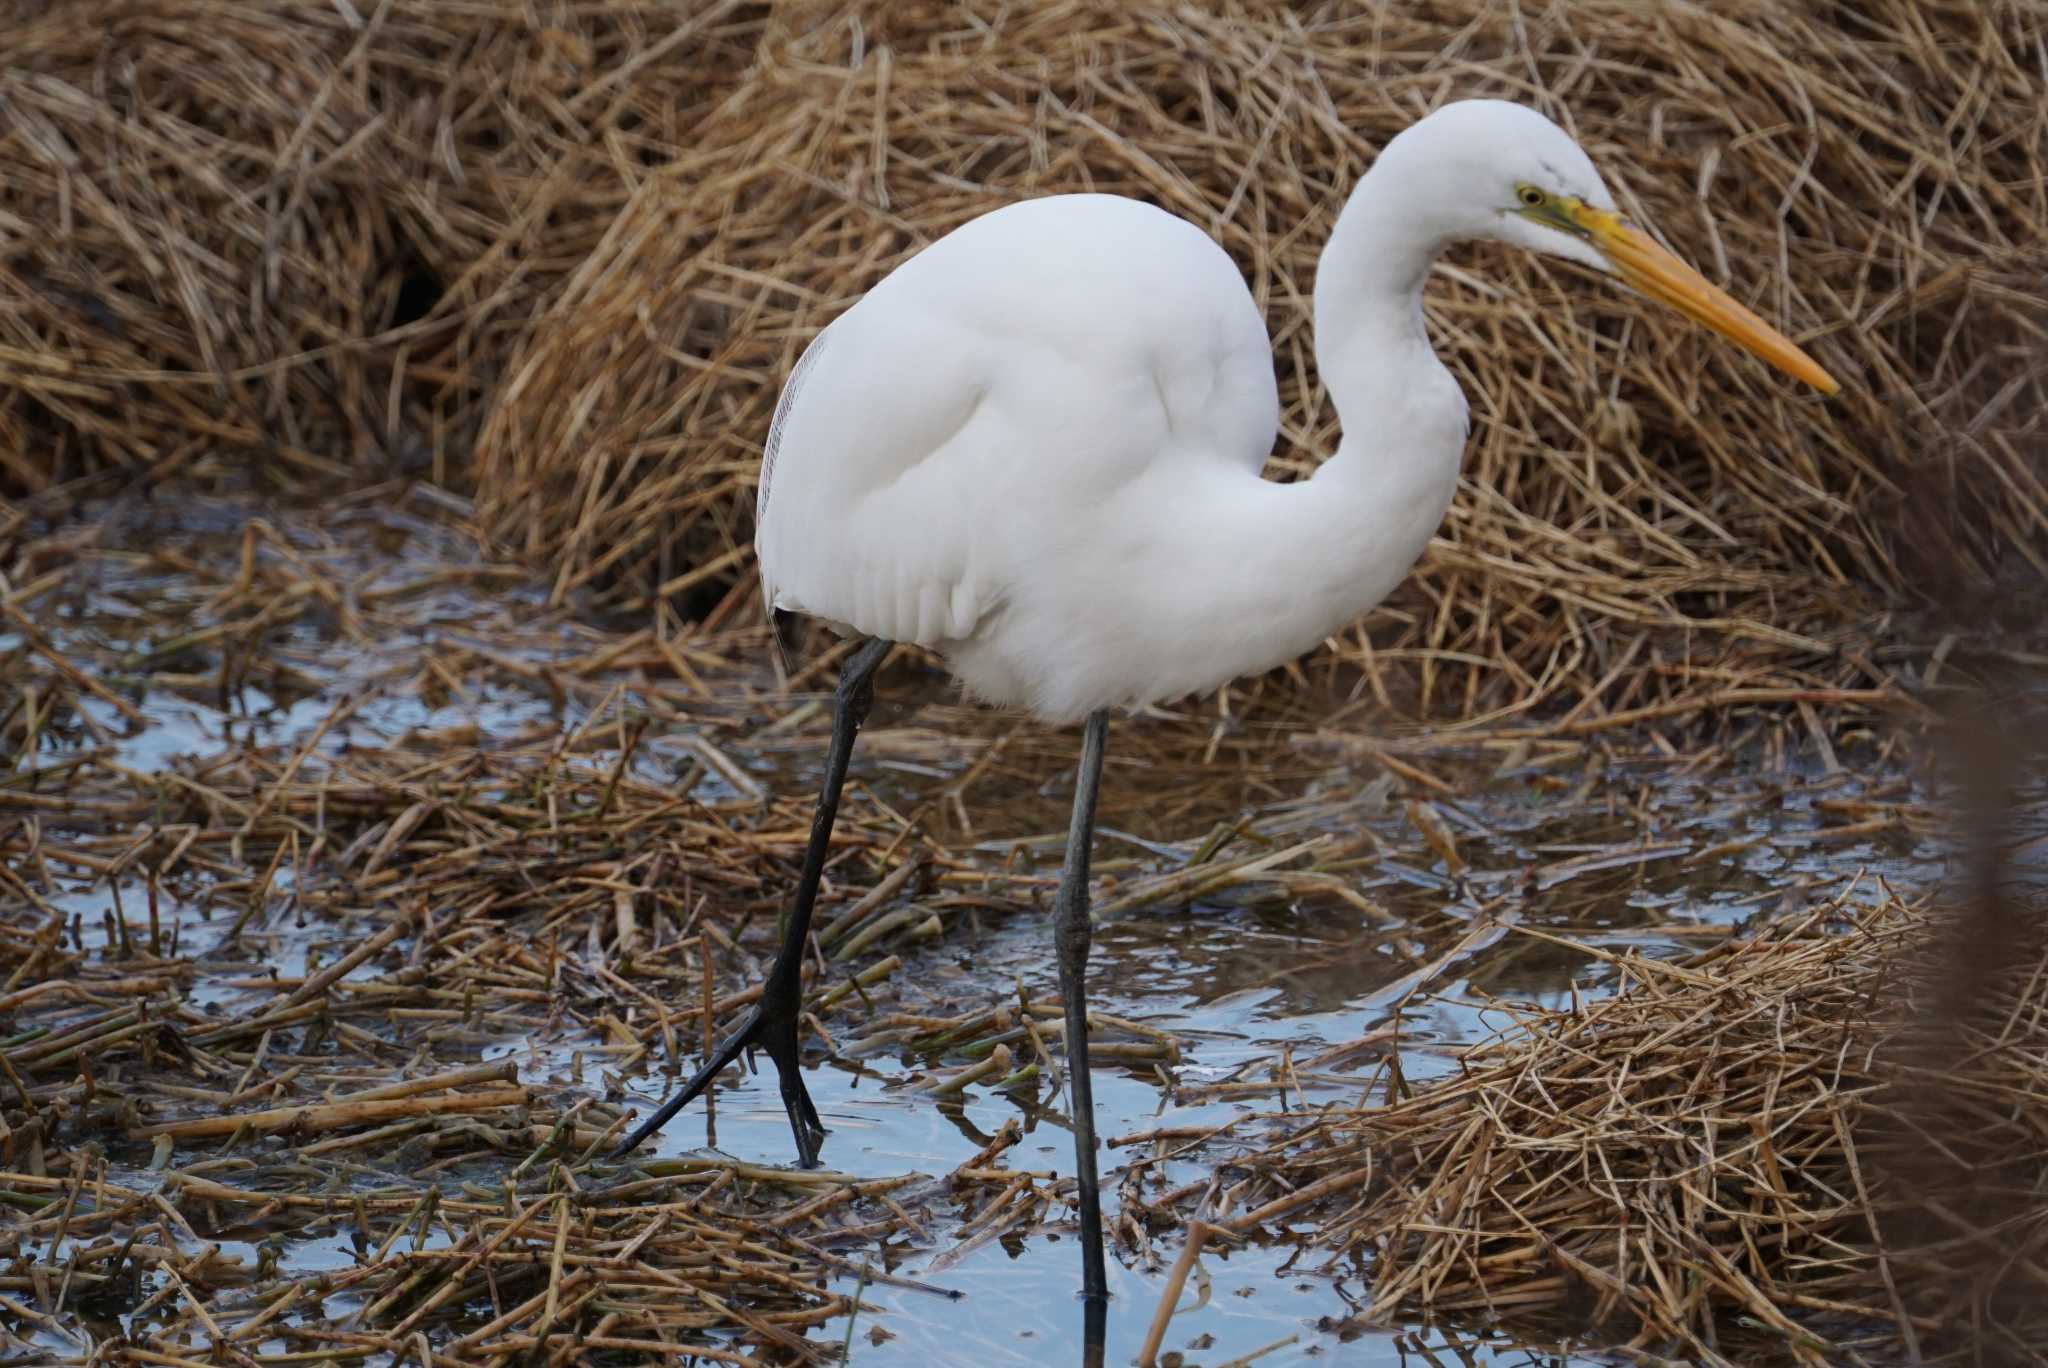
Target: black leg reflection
(1094,1329)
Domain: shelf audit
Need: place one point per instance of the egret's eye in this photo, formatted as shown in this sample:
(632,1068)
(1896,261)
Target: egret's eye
(1530,196)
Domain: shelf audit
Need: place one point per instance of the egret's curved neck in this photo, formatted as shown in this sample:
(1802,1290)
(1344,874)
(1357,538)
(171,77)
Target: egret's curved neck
(1347,536)
(1371,346)
(1287,565)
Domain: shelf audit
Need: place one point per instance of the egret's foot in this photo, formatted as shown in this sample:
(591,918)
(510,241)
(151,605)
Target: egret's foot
(775,1033)
(772,1025)
(770,1028)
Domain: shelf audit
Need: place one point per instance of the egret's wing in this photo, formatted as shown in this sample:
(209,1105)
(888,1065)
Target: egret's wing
(997,402)
(791,388)
(866,509)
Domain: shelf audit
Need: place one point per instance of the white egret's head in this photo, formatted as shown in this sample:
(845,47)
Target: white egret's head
(1492,169)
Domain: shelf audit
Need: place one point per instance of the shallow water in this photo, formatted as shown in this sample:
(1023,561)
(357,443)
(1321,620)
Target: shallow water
(1239,983)
(1663,857)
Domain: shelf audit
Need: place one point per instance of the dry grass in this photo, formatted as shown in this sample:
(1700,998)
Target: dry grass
(309,236)
(566,254)
(1743,1153)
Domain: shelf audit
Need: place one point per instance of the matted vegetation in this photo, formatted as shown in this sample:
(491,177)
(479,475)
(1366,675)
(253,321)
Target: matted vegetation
(1754,1149)
(378,983)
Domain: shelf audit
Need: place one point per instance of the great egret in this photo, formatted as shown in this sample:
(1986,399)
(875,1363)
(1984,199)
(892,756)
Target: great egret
(1036,446)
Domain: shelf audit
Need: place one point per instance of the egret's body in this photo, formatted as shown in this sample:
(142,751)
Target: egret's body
(1036,447)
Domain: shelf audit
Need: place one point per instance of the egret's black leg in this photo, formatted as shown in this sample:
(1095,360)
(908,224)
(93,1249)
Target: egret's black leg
(1071,933)
(772,1025)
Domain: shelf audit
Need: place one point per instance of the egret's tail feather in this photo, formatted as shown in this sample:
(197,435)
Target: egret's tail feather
(781,630)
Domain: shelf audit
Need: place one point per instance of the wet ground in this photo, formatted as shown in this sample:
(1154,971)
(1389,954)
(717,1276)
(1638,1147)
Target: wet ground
(1616,864)
(1397,929)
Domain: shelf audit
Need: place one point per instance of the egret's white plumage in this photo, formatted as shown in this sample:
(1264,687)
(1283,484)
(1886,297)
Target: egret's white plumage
(1036,446)
(1022,447)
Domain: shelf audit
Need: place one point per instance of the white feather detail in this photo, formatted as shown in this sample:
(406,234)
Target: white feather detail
(784,406)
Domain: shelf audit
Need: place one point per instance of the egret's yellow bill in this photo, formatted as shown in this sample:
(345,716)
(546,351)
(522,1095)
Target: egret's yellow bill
(1663,277)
